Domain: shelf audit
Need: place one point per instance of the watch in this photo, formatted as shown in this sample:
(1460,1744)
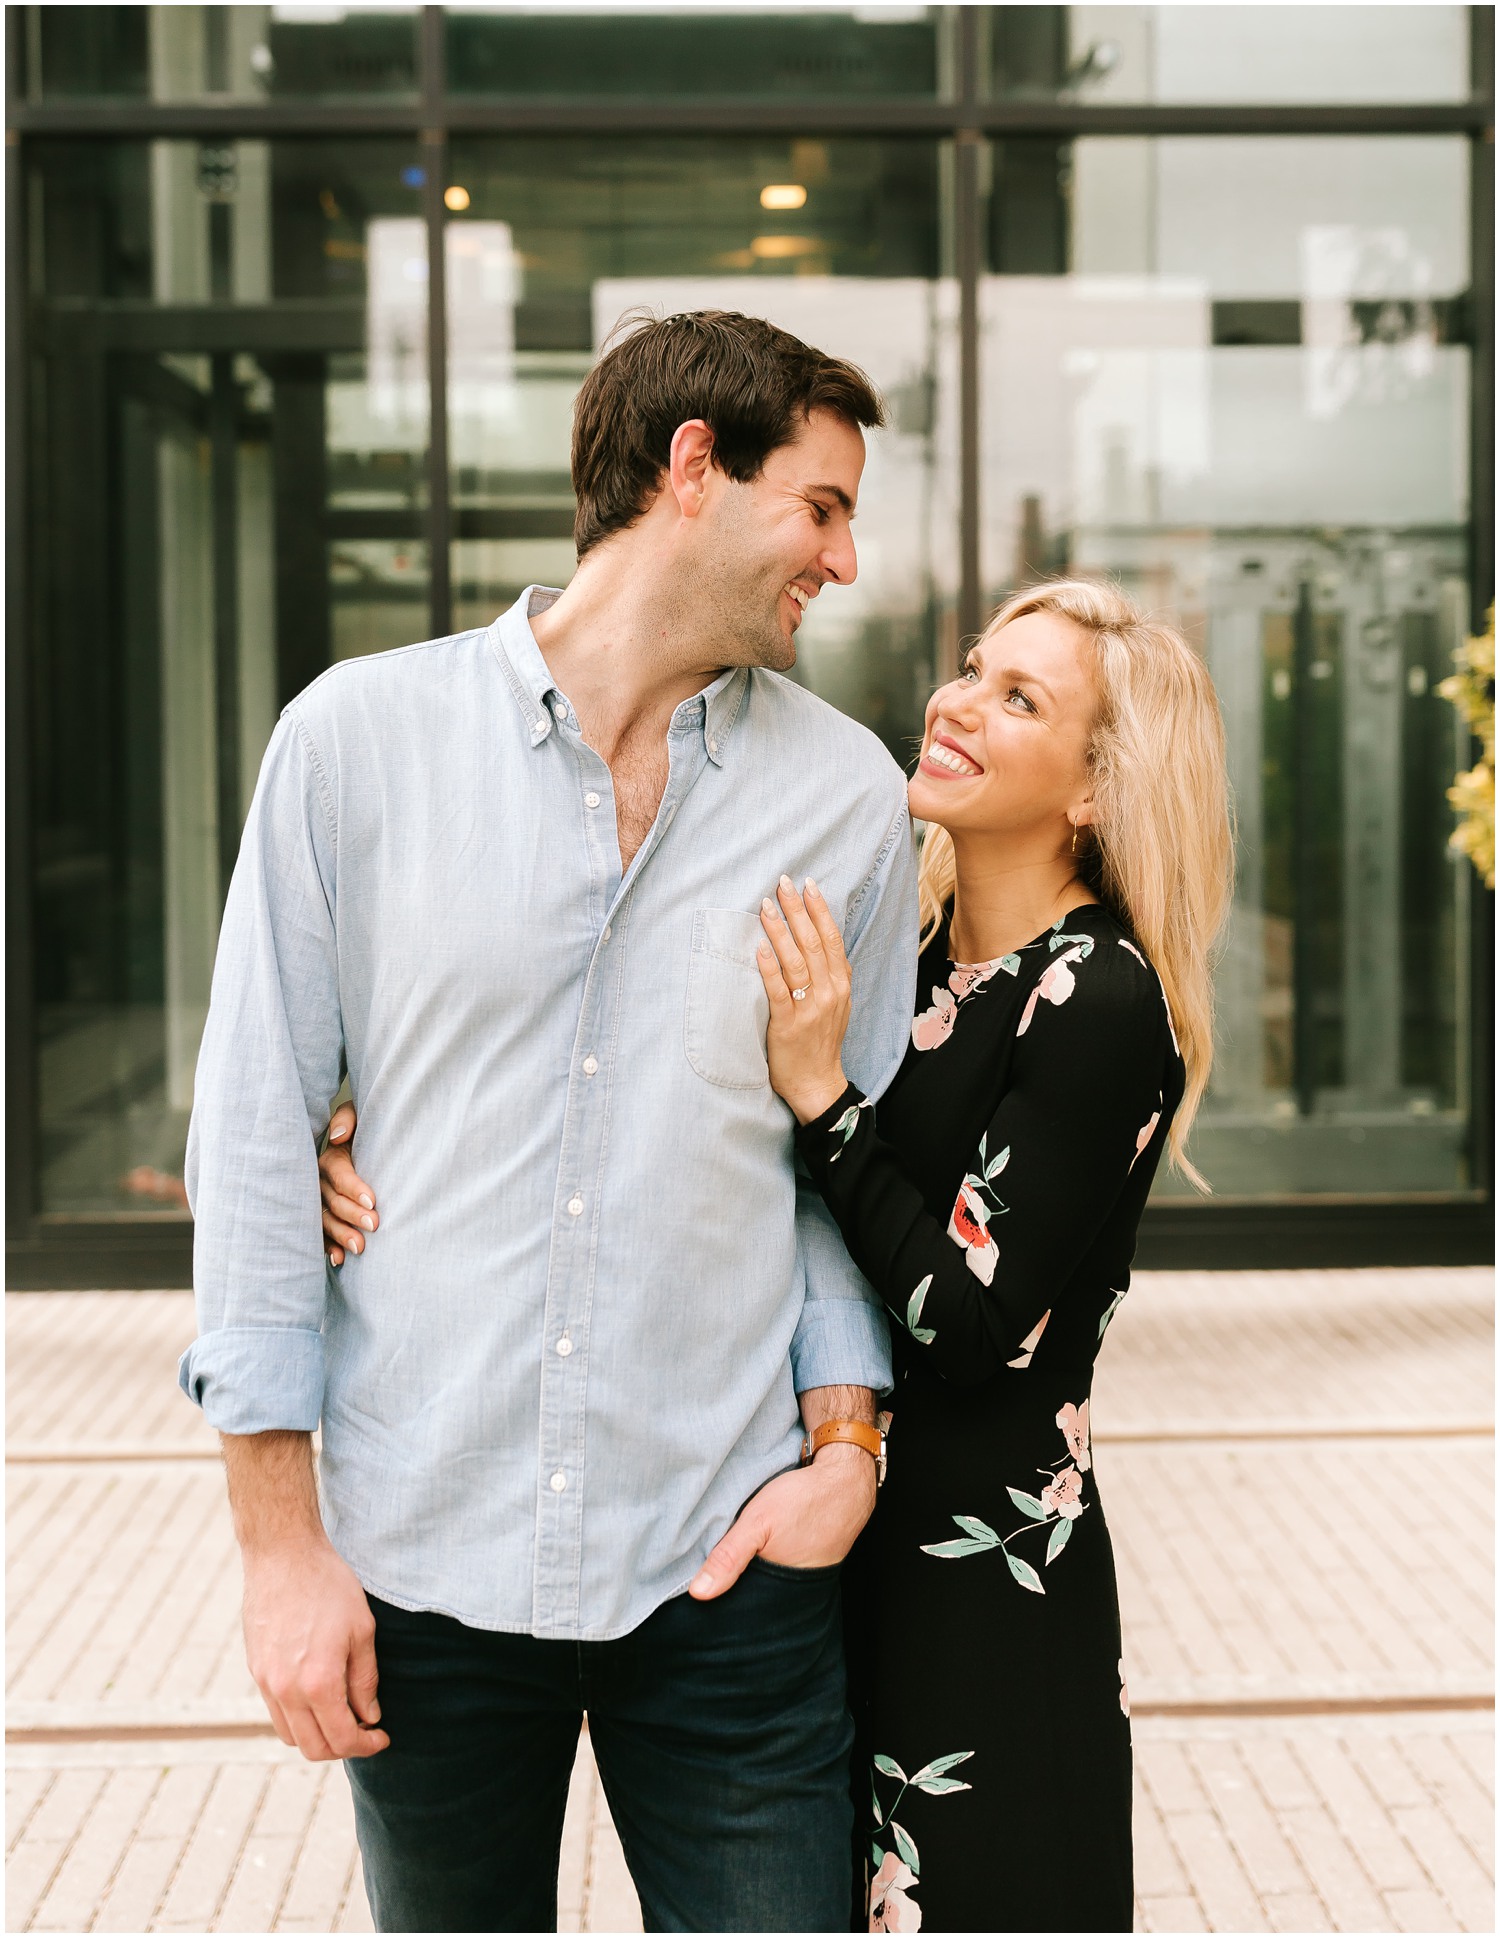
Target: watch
(850,1433)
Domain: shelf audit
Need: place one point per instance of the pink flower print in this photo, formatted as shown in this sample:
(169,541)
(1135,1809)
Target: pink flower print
(1146,1132)
(1065,1494)
(966,977)
(1124,1690)
(967,1227)
(1055,985)
(1074,1421)
(1030,1343)
(935,1025)
(890,1908)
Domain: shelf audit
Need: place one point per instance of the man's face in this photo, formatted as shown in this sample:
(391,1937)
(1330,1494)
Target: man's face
(765,549)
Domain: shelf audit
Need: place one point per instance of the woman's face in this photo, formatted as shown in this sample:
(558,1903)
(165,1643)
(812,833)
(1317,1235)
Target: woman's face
(1005,746)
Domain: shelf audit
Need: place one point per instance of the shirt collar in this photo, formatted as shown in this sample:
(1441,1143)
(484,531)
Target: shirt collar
(528,674)
(717,707)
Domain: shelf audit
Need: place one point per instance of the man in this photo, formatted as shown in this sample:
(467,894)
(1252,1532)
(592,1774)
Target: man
(512,880)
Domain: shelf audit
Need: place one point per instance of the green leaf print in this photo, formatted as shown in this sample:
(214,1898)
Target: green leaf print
(1028,1504)
(977,1528)
(906,1850)
(1025,1573)
(848,1124)
(993,1170)
(1059,1539)
(940,1786)
(980,1539)
(1109,1312)
(941,1764)
(887,1766)
(1011,965)
(924,1335)
(877,1856)
(1060,941)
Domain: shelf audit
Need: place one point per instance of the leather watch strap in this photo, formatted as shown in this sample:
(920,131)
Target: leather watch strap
(851,1433)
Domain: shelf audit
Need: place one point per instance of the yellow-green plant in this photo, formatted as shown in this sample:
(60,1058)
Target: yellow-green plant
(1472,691)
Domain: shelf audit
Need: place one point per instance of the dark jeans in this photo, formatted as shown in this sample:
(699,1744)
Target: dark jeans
(722,1738)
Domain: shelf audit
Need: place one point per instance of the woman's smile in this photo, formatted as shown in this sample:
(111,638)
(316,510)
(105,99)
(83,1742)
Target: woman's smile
(946,760)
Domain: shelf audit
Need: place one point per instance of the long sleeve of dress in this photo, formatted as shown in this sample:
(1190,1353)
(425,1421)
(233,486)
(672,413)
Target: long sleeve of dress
(1083,1100)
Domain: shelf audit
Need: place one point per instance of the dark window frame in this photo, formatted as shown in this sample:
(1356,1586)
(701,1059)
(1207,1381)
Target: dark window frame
(1420,1228)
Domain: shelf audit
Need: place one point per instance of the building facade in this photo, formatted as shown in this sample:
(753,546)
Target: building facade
(1199,297)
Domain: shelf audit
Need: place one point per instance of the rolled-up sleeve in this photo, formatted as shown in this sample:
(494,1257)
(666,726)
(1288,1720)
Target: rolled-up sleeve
(842,1337)
(270,1062)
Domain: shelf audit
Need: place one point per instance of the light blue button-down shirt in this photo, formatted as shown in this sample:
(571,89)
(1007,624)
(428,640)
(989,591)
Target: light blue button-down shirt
(572,1351)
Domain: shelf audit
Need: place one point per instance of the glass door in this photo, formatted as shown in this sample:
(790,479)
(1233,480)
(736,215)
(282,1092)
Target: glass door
(229,420)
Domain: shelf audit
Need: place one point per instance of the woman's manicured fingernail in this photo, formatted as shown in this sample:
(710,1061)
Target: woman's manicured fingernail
(812,888)
(334,1136)
(765,952)
(786,883)
(767,906)
(368,1223)
(699,1582)
(368,1203)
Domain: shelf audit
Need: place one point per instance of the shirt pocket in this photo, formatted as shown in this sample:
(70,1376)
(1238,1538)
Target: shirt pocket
(727,1008)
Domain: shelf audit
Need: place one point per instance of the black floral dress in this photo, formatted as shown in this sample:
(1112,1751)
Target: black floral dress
(992,1199)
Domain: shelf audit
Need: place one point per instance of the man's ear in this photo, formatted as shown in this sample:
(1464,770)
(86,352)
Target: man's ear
(688,467)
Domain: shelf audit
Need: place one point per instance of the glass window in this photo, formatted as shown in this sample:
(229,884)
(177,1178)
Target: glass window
(1221,55)
(229,432)
(558,239)
(193,53)
(1232,373)
(777,52)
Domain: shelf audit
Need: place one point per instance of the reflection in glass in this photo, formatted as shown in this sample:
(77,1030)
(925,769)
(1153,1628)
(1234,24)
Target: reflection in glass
(776,52)
(195,53)
(1221,55)
(560,239)
(1247,401)
(232,489)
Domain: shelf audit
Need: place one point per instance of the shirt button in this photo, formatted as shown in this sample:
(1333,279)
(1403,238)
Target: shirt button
(590,1066)
(558,1482)
(564,1346)
(591,800)
(606,935)
(575,1204)
(713,746)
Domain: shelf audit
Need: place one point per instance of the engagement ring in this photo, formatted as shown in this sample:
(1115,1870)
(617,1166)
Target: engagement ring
(798,994)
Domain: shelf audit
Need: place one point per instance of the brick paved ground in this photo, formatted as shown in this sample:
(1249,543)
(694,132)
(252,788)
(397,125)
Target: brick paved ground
(1297,1467)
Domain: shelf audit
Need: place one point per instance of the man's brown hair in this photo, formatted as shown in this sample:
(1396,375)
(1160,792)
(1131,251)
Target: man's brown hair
(752,384)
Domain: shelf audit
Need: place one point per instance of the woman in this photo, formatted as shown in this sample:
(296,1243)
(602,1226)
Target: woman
(1073,878)
(1073,780)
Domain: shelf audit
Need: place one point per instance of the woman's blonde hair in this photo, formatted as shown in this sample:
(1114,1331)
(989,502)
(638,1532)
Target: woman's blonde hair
(1161,855)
